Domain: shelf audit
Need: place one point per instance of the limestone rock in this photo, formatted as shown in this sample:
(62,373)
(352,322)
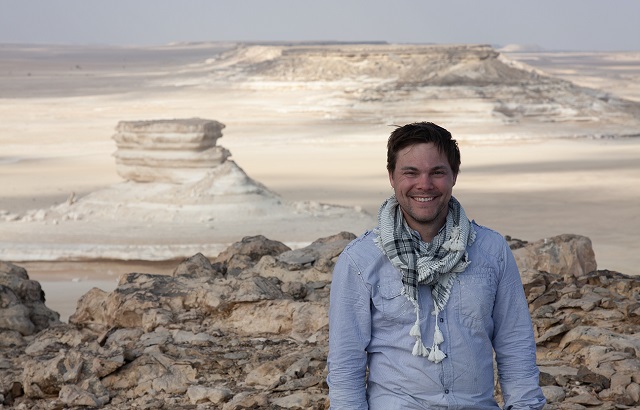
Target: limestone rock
(553,394)
(246,253)
(196,266)
(570,255)
(174,151)
(22,302)
(250,331)
(213,395)
(322,253)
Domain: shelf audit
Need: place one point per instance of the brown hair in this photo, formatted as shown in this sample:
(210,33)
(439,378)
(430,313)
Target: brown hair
(423,132)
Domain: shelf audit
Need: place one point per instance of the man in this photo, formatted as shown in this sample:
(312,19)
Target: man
(425,300)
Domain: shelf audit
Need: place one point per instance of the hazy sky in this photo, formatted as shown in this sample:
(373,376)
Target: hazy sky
(552,24)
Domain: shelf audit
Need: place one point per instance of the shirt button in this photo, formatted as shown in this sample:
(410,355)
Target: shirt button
(446,391)
(441,320)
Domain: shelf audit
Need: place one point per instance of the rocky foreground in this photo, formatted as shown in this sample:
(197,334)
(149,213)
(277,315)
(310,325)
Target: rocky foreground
(248,330)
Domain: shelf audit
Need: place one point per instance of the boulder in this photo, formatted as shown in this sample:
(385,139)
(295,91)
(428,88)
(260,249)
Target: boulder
(22,303)
(566,255)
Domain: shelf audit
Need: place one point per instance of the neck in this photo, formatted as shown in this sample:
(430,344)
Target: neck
(427,231)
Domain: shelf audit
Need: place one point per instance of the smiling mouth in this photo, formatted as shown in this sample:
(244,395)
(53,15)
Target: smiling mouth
(423,199)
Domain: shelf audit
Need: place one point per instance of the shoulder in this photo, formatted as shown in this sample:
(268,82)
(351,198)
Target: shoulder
(485,234)
(363,245)
(488,241)
(363,251)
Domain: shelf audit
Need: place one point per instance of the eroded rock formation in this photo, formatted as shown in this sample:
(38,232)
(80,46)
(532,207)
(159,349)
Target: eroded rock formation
(484,83)
(182,193)
(248,329)
(174,170)
(175,151)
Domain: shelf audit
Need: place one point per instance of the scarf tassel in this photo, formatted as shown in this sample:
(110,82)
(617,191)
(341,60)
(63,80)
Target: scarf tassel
(436,355)
(419,349)
(437,336)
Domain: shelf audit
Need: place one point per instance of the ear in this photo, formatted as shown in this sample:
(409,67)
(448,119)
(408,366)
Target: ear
(455,178)
(391,180)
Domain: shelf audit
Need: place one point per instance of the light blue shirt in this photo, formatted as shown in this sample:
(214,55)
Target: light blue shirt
(487,312)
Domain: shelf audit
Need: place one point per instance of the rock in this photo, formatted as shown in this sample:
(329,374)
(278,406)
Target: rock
(620,381)
(553,394)
(565,255)
(546,379)
(598,381)
(633,392)
(73,395)
(534,283)
(322,253)
(585,398)
(601,337)
(250,330)
(587,302)
(22,302)
(213,395)
(197,266)
(552,332)
(246,253)
(175,151)
(9,270)
(11,338)
(301,401)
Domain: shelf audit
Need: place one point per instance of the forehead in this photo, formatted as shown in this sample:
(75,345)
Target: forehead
(423,155)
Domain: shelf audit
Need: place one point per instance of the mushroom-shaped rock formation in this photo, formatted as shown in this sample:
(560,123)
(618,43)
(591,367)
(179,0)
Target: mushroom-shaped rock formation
(181,195)
(168,150)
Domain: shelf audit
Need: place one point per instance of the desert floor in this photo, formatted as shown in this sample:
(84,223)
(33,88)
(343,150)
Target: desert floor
(58,141)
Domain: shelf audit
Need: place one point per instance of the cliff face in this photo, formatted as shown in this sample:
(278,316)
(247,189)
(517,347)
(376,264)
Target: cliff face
(481,81)
(248,329)
(408,65)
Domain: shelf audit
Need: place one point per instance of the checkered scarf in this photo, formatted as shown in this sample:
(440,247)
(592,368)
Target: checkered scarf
(435,264)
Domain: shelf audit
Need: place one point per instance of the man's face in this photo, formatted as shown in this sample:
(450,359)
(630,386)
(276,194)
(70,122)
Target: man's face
(423,182)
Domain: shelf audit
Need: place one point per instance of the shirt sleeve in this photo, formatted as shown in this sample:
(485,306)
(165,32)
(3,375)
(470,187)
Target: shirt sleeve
(514,342)
(349,335)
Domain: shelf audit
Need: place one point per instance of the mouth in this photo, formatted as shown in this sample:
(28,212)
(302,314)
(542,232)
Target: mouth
(423,198)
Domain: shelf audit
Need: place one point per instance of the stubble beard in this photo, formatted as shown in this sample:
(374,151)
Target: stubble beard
(426,219)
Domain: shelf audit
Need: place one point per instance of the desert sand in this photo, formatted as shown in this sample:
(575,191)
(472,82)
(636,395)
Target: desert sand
(59,107)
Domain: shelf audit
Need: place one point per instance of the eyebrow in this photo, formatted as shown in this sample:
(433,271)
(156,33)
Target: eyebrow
(436,168)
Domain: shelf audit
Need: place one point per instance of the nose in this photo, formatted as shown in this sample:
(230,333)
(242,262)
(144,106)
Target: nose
(424,182)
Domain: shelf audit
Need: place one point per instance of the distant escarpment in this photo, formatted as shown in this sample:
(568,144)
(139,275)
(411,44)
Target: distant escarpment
(248,328)
(462,84)
(409,65)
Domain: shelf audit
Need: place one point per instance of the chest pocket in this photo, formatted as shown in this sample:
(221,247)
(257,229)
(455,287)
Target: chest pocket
(393,304)
(476,295)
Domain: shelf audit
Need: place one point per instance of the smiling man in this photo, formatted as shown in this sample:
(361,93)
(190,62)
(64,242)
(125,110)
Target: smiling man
(422,304)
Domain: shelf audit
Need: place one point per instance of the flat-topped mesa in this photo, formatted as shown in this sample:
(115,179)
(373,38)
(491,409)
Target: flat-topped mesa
(175,151)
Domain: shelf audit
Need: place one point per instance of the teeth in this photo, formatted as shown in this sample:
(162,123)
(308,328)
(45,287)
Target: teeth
(420,199)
